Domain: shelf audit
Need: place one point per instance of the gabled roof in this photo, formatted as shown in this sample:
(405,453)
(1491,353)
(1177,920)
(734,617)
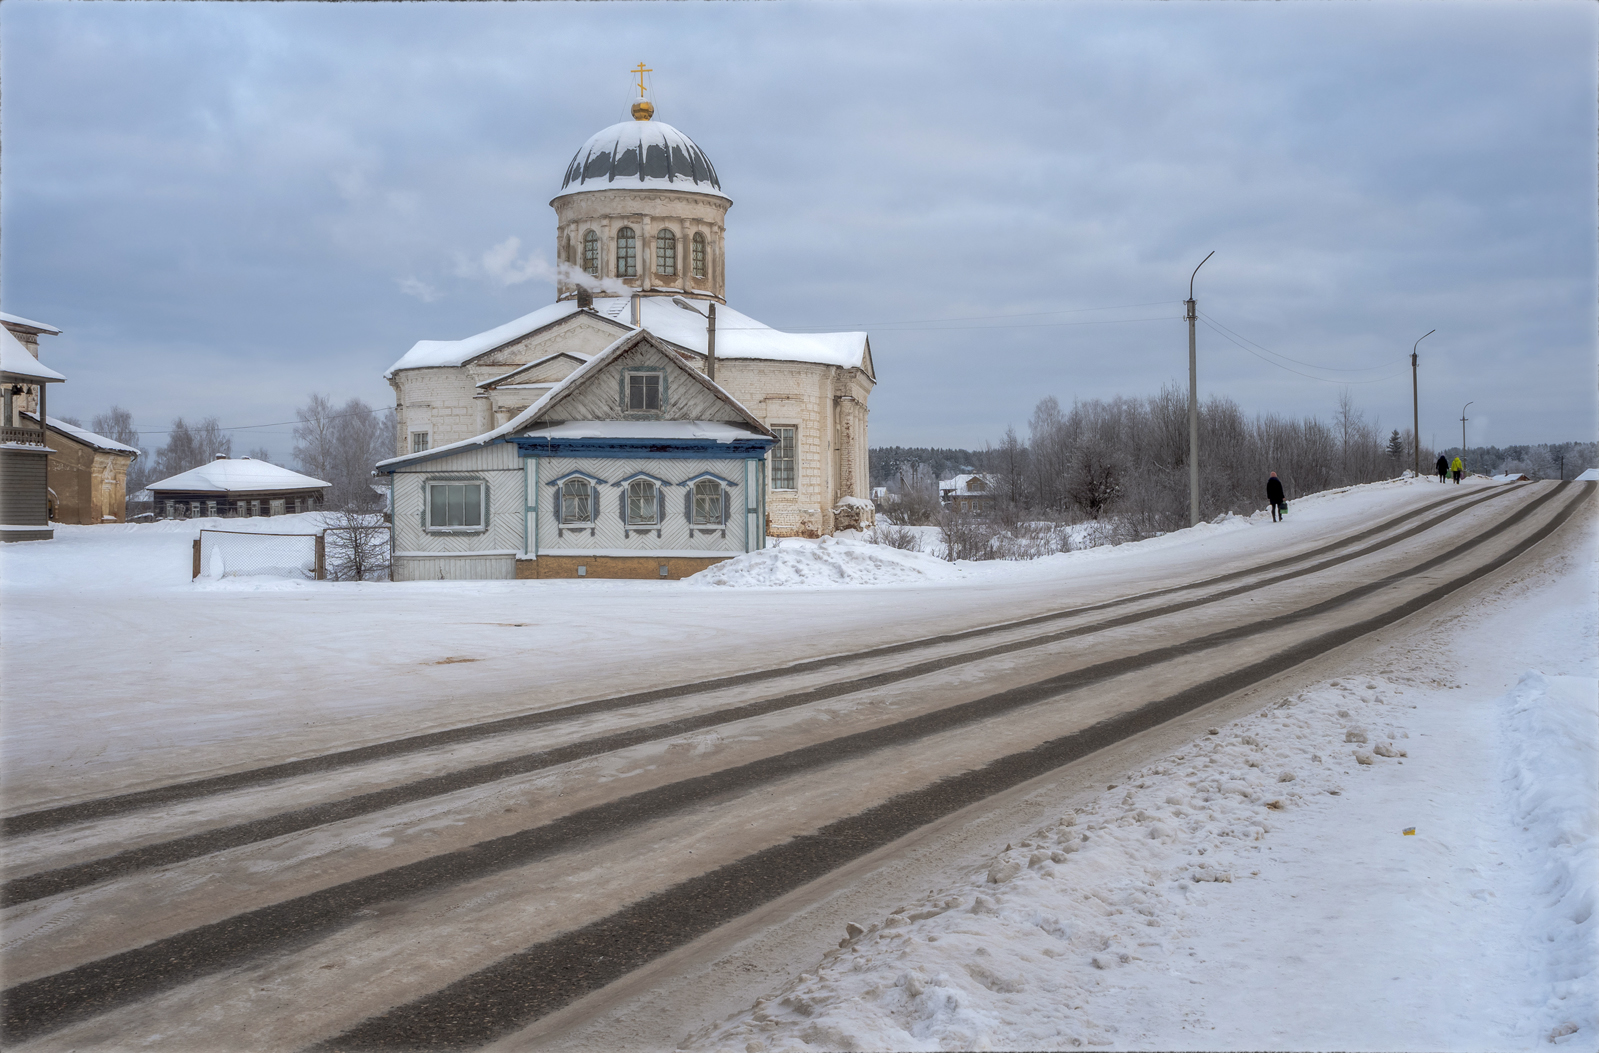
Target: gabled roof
(504,377)
(431,353)
(737,334)
(84,435)
(238,475)
(27,323)
(543,409)
(18,364)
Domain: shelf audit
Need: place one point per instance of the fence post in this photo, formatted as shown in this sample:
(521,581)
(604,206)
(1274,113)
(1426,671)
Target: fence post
(321,555)
(196,558)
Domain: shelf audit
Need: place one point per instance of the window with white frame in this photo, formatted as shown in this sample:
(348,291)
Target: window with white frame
(577,501)
(643,503)
(591,253)
(455,506)
(708,500)
(783,473)
(665,252)
(643,392)
(626,253)
(699,255)
(419,441)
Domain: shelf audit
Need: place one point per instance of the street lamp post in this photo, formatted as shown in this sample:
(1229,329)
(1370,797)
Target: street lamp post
(1193,402)
(1463,419)
(1415,408)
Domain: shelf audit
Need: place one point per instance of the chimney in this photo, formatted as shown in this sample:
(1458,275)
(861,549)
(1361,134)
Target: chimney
(585,299)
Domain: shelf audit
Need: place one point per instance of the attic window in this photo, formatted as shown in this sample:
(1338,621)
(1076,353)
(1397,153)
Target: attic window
(699,255)
(591,253)
(626,254)
(643,392)
(666,253)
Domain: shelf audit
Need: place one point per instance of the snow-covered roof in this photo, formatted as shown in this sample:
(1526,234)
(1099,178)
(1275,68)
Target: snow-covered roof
(528,417)
(238,475)
(639,155)
(961,486)
(85,436)
(737,334)
(426,353)
(714,430)
(12,319)
(18,363)
(740,336)
(1589,476)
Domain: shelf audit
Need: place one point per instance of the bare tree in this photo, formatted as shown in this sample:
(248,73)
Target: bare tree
(341,445)
(189,447)
(357,546)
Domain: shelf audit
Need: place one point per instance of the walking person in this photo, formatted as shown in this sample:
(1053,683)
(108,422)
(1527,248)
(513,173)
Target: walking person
(1458,467)
(1443,467)
(1274,495)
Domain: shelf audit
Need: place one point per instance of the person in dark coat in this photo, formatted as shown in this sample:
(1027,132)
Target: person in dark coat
(1274,496)
(1443,467)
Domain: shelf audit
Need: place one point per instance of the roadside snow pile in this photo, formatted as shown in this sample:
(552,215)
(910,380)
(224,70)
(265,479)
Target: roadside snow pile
(1041,946)
(826,561)
(1552,724)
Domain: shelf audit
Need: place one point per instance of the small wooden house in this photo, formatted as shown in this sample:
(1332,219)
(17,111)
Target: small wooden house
(635,465)
(236,486)
(88,474)
(967,493)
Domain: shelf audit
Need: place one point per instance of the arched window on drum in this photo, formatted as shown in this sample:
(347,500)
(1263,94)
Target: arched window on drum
(665,252)
(699,255)
(626,253)
(591,253)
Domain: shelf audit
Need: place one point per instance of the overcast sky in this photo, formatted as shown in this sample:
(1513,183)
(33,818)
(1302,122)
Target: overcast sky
(226,207)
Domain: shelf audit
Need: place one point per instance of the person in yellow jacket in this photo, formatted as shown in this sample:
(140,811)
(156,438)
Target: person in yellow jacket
(1458,467)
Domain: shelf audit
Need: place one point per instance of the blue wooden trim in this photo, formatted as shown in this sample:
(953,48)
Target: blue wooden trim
(657,480)
(753,449)
(708,475)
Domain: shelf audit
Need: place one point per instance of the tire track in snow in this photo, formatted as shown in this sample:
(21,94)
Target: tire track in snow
(60,880)
(554,973)
(105,807)
(533,983)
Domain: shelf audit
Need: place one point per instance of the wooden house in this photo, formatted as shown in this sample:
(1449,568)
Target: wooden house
(237,487)
(635,465)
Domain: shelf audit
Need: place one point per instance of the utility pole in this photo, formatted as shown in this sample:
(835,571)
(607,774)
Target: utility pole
(1193,402)
(1415,407)
(1463,420)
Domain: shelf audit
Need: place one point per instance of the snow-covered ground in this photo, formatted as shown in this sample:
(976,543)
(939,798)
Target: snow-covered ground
(1405,857)
(1253,889)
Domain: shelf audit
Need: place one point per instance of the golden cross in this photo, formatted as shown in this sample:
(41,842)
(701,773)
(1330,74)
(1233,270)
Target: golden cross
(641,71)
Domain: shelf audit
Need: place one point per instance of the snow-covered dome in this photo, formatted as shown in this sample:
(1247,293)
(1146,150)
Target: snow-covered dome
(641,153)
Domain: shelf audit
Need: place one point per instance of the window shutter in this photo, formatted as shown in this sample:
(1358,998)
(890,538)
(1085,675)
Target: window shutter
(622,505)
(660,506)
(688,504)
(594,503)
(726,497)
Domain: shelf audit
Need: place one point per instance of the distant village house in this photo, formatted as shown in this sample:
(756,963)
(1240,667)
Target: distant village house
(236,487)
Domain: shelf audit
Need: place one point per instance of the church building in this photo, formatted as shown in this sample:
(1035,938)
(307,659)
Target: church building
(639,426)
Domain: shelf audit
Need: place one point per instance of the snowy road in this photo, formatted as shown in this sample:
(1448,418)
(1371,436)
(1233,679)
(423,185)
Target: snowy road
(445,889)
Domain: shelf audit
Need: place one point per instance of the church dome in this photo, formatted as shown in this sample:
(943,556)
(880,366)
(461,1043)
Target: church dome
(641,154)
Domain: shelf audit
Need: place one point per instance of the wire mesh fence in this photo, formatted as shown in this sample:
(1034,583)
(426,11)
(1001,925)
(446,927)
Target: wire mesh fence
(242,553)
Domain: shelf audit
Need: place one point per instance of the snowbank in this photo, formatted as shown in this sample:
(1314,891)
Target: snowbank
(791,562)
(1551,725)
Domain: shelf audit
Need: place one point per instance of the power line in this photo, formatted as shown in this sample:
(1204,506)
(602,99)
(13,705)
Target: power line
(248,427)
(1308,365)
(1229,338)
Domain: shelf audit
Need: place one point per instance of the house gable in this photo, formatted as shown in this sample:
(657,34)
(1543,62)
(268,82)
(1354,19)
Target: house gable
(686,395)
